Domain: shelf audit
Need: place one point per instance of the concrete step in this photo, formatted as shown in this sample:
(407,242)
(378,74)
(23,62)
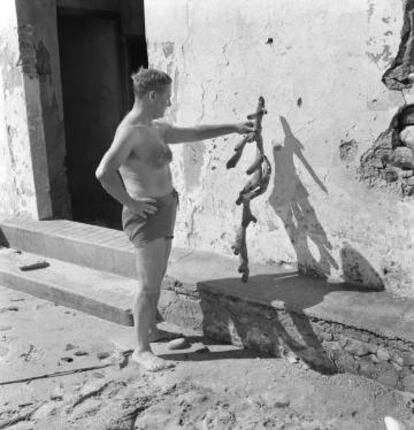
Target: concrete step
(87,245)
(104,249)
(102,294)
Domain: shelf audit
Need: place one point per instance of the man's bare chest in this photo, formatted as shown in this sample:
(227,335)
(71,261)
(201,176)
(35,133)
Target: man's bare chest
(152,152)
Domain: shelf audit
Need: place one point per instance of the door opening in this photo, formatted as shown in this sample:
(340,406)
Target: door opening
(96,61)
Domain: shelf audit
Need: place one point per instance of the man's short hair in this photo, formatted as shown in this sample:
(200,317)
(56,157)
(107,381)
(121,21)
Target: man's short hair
(146,80)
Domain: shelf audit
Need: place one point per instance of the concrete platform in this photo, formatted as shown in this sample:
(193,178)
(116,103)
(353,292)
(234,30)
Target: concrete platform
(104,295)
(330,327)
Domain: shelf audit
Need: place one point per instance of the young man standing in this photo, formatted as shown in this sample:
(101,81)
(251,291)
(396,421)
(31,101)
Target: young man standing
(139,154)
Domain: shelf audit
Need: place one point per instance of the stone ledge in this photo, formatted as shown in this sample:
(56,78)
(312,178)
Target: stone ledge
(332,328)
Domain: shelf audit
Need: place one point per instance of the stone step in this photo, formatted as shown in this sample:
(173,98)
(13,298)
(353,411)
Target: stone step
(105,249)
(91,246)
(102,294)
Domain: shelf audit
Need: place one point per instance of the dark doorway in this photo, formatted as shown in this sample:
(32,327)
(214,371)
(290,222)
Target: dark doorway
(95,62)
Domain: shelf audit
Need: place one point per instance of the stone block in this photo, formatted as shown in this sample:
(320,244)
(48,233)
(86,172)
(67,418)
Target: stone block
(390,175)
(397,359)
(408,383)
(408,358)
(366,368)
(325,336)
(346,363)
(388,376)
(403,157)
(360,348)
(404,173)
(407,136)
(383,354)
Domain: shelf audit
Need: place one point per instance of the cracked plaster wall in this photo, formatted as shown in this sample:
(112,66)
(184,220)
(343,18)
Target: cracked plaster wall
(319,66)
(17,185)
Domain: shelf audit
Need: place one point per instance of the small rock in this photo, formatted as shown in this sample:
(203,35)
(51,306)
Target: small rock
(326,336)
(23,405)
(67,359)
(93,387)
(22,425)
(390,175)
(275,400)
(366,368)
(303,365)
(360,348)
(406,173)
(12,308)
(292,358)
(408,383)
(47,410)
(179,343)
(396,366)
(408,359)
(388,377)
(374,358)
(56,397)
(383,354)
(201,350)
(403,157)
(407,136)
(80,353)
(397,359)
(103,355)
(69,347)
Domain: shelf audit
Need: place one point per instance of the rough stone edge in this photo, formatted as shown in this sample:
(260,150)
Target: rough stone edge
(331,346)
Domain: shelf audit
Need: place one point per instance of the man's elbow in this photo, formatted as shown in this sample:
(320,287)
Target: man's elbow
(101,174)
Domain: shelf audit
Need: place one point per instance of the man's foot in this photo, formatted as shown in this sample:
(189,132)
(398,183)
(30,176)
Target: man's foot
(151,362)
(158,335)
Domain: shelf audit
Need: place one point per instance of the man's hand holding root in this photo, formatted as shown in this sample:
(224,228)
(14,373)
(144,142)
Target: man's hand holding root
(245,127)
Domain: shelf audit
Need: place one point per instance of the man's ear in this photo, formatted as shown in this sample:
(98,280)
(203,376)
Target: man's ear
(152,94)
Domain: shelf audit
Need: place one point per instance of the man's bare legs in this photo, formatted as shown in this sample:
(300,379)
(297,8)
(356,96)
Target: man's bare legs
(155,333)
(150,262)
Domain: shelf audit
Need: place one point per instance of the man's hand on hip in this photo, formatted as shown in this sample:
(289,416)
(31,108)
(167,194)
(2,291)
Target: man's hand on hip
(143,206)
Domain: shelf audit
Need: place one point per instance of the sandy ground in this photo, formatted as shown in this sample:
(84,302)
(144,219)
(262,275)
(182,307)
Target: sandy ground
(74,375)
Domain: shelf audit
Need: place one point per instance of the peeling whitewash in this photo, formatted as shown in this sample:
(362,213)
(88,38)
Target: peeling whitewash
(224,54)
(17,187)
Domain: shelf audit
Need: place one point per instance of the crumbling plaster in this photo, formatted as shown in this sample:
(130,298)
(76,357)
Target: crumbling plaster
(319,65)
(17,184)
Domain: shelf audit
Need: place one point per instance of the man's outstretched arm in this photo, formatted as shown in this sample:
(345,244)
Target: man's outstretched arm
(174,134)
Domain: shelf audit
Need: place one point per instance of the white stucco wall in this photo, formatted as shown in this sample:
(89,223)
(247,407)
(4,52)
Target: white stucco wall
(331,55)
(17,188)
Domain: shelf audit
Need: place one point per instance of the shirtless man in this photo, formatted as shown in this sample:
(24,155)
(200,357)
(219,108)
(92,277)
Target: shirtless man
(139,154)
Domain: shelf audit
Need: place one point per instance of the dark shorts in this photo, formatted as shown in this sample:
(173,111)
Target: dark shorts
(142,230)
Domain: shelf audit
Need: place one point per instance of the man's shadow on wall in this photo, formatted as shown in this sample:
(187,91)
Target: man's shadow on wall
(289,326)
